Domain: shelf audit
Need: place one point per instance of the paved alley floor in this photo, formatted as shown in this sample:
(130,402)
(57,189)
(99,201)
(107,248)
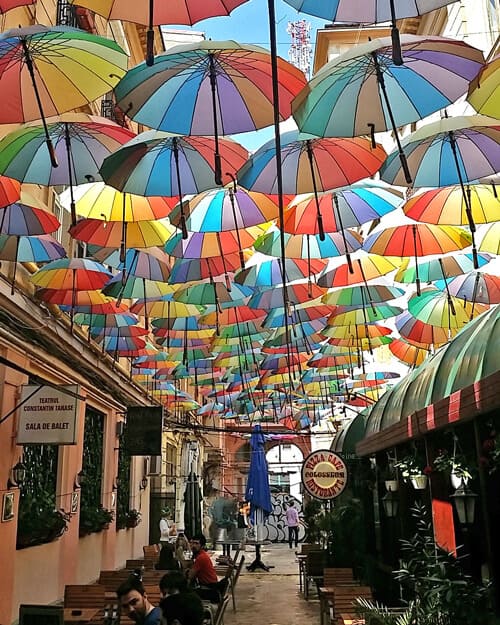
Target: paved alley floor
(272,598)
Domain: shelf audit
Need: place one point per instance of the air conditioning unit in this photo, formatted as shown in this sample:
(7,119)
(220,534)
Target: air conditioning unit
(155,463)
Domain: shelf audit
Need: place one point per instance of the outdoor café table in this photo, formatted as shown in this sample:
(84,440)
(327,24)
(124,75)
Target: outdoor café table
(226,546)
(80,615)
(257,563)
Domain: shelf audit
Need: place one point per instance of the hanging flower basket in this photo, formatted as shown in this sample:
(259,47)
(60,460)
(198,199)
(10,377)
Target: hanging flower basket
(134,517)
(419,482)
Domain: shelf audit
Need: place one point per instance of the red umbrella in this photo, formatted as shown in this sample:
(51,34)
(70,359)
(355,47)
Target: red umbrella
(7,5)
(10,190)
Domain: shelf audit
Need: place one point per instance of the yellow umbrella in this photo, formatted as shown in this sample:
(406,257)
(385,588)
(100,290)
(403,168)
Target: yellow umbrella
(484,90)
(490,238)
(166,309)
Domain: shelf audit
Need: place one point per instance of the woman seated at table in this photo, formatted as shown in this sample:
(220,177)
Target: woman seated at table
(167,561)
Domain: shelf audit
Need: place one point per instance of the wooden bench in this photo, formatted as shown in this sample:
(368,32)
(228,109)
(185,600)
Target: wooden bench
(112,579)
(342,599)
(138,563)
(81,596)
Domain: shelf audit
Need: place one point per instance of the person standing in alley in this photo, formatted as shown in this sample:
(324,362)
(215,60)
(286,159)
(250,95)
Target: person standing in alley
(292,521)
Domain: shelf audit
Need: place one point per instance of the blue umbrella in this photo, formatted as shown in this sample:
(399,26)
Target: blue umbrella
(258,492)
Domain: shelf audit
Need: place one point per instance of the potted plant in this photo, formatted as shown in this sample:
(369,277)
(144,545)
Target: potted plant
(390,475)
(134,517)
(455,465)
(413,470)
(42,526)
(94,519)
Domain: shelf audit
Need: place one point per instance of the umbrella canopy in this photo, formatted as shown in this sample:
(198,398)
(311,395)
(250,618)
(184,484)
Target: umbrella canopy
(273,297)
(308,245)
(437,308)
(473,287)
(215,293)
(422,334)
(490,238)
(156,163)
(72,274)
(23,219)
(364,268)
(210,244)
(10,190)
(81,142)
(30,249)
(269,272)
(311,163)
(361,295)
(363,90)
(231,208)
(140,234)
(446,152)
(417,239)
(258,492)
(449,206)
(150,262)
(191,269)
(7,5)
(484,90)
(70,67)
(440,268)
(175,94)
(408,353)
(342,209)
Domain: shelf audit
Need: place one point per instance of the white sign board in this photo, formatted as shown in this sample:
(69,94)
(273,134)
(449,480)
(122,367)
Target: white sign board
(47,415)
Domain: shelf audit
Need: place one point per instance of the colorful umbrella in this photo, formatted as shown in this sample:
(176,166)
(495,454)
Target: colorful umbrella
(150,262)
(408,353)
(27,217)
(417,239)
(72,274)
(363,91)
(210,244)
(448,205)
(450,151)
(361,295)
(156,163)
(371,12)
(473,287)
(215,293)
(366,267)
(50,70)
(309,246)
(81,301)
(346,208)
(10,190)
(30,249)
(269,272)
(490,238)
(484,90)
(437,308)
(209,88)
(275,318)
(343,316)
(273,297)
(80,143)
(440,268)
(153,13)
(8,5)
(422,334)
(190,269)
(140,234)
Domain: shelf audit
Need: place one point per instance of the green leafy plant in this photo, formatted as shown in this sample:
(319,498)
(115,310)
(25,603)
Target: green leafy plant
(375,613)
(134,517)
(40,525)
(410,466)
(449,463)
(441,592)
(94,519)
(312,511)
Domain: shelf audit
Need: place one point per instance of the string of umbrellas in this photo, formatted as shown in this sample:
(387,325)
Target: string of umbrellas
(279,282)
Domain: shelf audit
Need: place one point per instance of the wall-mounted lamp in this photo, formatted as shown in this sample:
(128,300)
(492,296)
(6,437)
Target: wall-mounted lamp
(465,503)
(144,483)
(390,504)
(80,478)
(116,482)
(17,476)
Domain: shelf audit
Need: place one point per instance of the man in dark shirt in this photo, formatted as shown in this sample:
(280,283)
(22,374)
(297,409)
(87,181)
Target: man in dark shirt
(134,603)
(180,606)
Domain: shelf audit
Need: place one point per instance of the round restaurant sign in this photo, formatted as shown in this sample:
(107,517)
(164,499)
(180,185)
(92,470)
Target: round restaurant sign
(324,474)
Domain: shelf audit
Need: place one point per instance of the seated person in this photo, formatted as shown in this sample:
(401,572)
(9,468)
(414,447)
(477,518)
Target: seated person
(167,560)
(134,603)
(181,546)
(203,572)
(180,606)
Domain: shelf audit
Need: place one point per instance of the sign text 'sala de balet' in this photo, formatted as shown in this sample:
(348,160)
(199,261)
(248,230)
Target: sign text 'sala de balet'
(324,474)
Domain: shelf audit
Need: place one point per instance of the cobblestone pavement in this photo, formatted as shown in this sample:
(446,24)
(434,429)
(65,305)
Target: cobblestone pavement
(272,598)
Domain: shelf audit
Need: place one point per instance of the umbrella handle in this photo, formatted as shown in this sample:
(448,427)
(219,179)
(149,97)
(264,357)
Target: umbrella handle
(150,40)
(397,59)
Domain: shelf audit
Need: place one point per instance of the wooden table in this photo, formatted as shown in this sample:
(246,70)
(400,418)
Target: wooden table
(80,615)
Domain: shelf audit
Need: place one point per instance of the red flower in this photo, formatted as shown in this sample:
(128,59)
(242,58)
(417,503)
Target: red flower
(427,470)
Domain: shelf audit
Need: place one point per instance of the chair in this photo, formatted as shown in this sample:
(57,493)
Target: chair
(342,600)
(32,614)
(151,554)
(219,615)
(314,565)
(234,578)
(82,596)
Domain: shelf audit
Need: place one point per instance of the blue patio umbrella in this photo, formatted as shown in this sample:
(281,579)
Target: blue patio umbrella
(258,492)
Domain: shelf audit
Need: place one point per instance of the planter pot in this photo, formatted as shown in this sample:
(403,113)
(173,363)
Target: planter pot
(392,485)
(131,523)
(458,481)
(419,482)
